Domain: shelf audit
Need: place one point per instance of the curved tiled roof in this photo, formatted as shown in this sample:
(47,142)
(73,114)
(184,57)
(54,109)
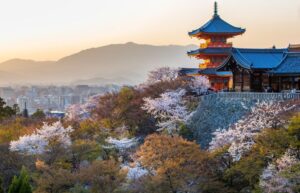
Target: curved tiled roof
(258,58)
(224,51)
(189,71)
(290,64)
(213,71)
(206,71)
(217,26)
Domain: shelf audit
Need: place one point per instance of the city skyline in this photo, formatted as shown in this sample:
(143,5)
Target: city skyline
(50,30)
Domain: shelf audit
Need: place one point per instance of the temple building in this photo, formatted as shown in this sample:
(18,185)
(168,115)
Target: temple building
(261,70)
(242,69)
(213,50)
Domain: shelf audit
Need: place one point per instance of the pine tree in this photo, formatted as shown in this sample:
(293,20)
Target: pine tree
(20,184)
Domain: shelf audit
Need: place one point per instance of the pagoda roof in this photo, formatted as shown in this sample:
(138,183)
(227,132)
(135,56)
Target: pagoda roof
(210,51)
(289,65)
(189,71)
(213,71)
(257,58)
(206,71)
(217,26)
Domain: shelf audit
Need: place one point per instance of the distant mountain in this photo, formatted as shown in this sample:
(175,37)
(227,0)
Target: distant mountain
(115,63)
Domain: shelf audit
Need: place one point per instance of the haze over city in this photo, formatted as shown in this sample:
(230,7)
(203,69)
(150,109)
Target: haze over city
(50,30)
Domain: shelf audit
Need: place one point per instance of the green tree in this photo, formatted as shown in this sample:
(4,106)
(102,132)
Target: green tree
(294,131)
(6,111)
(21,183)
(271,144)
(38,115)
(16,108)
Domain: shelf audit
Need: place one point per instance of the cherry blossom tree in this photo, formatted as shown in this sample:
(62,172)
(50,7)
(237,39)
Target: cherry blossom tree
(122,144)
(134,170)
(200,84)
(74,112)
(162,74)
(169,109)
(240,136)
(82,111)
(272,179)
(38,142)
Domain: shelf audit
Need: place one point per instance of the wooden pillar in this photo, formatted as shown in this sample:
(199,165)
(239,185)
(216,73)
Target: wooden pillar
(260,81)
(270,81)
(242,84)
(233,79)
(280,84)
(251,81)
(293,83)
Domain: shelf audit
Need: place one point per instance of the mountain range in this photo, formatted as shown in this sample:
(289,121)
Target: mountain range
(112,64)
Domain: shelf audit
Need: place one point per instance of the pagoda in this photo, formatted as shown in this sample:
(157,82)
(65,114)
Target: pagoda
(213,50)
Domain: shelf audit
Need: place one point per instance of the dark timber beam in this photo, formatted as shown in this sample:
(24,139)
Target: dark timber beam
(293,83)
(233,79)
(280,84)
(260,81)
(242,84)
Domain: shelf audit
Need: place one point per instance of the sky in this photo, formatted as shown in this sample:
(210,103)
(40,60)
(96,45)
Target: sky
(51,29)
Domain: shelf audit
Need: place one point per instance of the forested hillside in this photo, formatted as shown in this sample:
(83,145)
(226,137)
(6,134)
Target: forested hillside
(154,137)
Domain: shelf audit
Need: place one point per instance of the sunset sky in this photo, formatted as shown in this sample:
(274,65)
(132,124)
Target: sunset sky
(50,29)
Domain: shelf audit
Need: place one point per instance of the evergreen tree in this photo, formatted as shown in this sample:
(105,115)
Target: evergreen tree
(20,184)
(6,111)
(38,115)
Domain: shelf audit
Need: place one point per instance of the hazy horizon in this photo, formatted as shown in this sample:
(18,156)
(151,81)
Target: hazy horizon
(50,30)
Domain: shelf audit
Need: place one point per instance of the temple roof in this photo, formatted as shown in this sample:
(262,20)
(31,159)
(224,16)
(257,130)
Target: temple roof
(275,61)
(189,71)
(257,58)
(208,51)
(289,65)
(213,71)
(217,26)
(206,71)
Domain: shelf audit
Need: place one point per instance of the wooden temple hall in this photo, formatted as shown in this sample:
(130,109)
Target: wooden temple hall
(242,69)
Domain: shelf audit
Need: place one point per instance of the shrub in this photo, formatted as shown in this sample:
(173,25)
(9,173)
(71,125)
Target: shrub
(20,184)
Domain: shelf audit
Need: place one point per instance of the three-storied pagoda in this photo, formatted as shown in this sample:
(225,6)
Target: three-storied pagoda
(214,50)
(243,69)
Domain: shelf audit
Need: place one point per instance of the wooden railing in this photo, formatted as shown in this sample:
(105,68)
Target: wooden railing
(252,96)
(219,45)
(216,45)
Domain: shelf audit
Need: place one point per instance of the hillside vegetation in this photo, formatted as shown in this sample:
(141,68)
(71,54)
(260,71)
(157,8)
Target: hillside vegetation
(155,137)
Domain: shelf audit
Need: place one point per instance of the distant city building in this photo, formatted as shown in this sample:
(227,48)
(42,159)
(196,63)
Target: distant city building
(55,114)
(51,97)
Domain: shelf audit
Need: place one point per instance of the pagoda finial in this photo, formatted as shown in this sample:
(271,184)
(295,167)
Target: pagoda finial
(216,8)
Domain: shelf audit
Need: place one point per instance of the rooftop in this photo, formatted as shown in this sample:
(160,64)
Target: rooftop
(258,58)
(289,65)
(189,71)
(217,26)
(211,51)
(207,71)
